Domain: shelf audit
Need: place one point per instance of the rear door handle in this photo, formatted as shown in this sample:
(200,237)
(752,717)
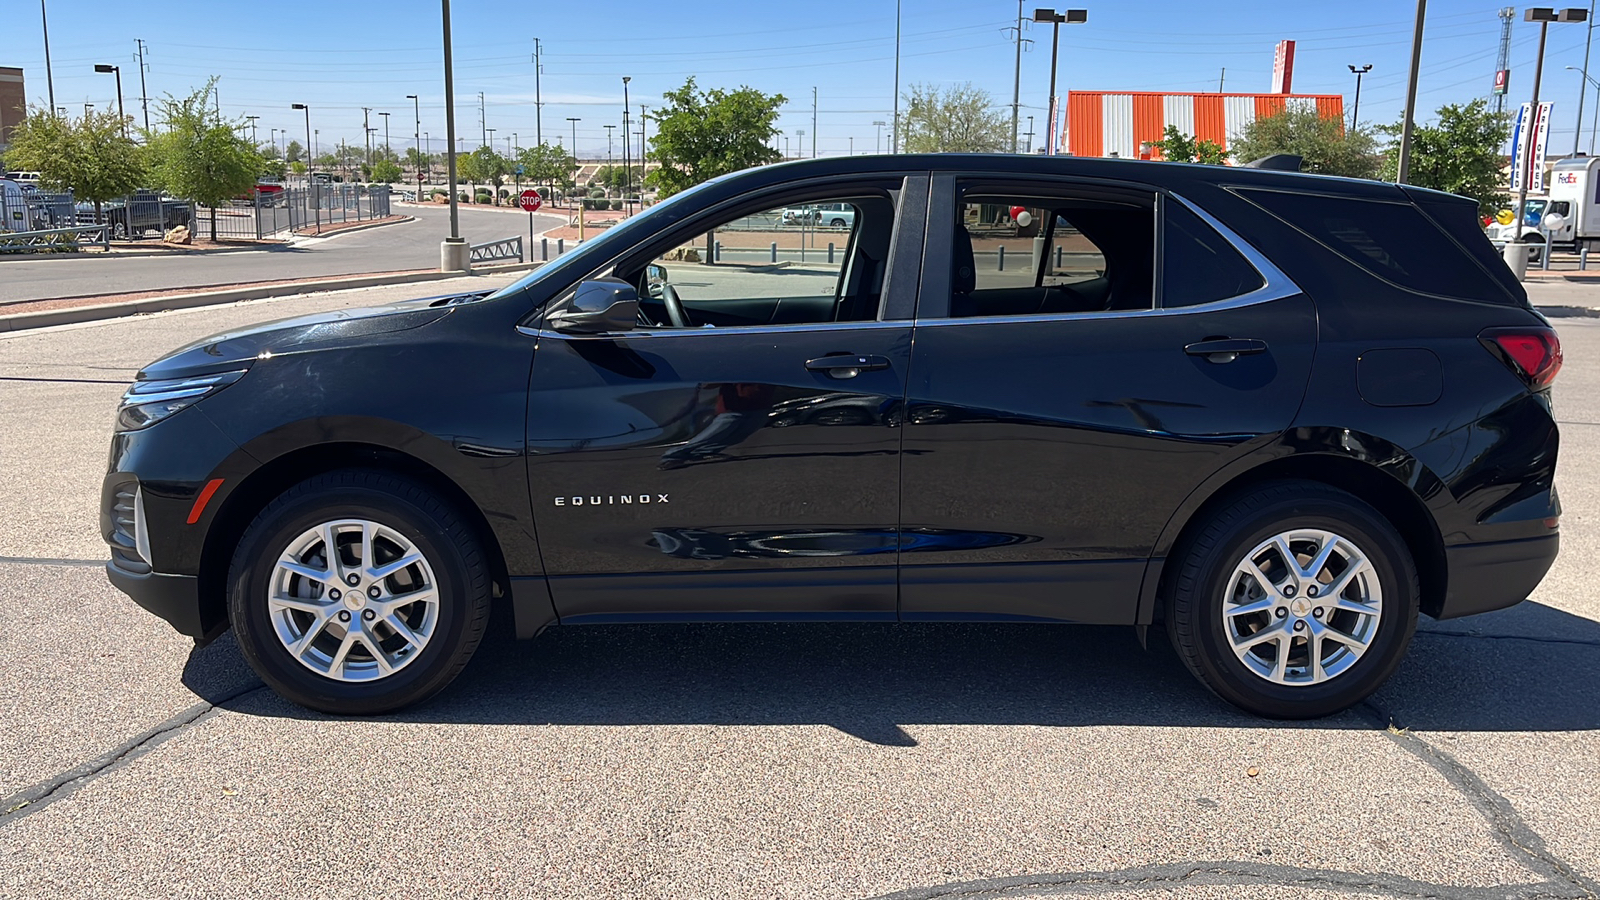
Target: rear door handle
(1225,350)
(846,365)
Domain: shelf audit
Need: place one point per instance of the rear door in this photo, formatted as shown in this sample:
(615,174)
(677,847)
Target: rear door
(1088,356)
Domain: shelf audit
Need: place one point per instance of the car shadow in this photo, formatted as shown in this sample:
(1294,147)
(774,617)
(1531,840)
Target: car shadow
(1529,669)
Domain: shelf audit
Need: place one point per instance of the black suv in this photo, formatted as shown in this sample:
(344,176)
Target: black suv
(1279,414)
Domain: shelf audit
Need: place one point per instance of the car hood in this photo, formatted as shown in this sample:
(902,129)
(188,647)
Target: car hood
(320,331)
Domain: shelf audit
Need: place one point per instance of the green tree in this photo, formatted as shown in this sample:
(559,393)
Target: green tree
(549,163)
(294,152)
(957,119)
(387,171)
(1175,146)
(298,167)
(200,156)
(483,166)
(1321,142)
(1458,153)
(703,134)
(90,156)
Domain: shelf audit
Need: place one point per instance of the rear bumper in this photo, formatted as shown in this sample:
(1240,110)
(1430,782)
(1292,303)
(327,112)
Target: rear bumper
(1487,577)
(175,598)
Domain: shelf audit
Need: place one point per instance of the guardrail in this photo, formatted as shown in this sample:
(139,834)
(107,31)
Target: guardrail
(54,239)
(510,248)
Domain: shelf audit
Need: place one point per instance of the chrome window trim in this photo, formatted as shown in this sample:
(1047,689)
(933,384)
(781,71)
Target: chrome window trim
(1276,286)
(731,329)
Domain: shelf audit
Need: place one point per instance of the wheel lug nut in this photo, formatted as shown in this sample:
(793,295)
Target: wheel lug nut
(1282,612)
(373,592)
(368,615)
(1311,591)
(1289,591)
(333,594)
(353,580)
(344,615)
(1317,613)
(1300,626)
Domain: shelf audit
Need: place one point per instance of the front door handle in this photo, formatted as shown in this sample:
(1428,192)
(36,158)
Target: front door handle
(846,365)
(1225,350)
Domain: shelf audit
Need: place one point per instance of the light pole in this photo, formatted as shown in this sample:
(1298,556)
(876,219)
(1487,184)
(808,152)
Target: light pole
(1072,16)
(454,254)
(49,77)
(627,167)
(386,145)
(1594,126)
(1355,112)
(894,133)
(800,142)
(877,146)
(852,145)
(609,130)
(310,146)
(574,120)
(1403,164)
(117,70)
(1544,16)
(416,135)
(1588,44)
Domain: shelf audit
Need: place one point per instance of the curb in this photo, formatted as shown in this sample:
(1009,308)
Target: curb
(365,226)
(72,315)
(134,252)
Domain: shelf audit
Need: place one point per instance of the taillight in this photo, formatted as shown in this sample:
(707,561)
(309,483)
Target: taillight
(1534,353)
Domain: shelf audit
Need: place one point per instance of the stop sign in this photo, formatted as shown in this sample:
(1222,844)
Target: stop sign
(530,200)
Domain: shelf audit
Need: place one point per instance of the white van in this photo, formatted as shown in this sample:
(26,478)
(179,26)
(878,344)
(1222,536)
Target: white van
(24,179)
(13,207)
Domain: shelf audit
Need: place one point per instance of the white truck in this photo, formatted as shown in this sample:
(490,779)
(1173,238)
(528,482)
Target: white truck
(1569,215)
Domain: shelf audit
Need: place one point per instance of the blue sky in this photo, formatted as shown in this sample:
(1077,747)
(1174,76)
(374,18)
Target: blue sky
(341,57)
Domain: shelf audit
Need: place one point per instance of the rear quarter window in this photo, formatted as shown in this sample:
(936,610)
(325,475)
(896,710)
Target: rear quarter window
(1393,241)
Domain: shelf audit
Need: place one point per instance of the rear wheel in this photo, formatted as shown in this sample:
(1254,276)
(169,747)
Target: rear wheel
(1297,600)
(358,592)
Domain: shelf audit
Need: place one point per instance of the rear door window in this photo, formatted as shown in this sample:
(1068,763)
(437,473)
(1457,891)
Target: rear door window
(1199,265)
(1393,241)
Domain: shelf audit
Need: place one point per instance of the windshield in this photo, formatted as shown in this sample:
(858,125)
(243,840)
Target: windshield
(617,239)
(1534,211)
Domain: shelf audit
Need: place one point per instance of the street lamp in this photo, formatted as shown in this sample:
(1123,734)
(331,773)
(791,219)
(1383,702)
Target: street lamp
(1355,114)
(574,120)
(1071,17)
(1595,125)
(1544,15)
(116,70)
(310,160)
(877,147)
(627,168)
(609,130)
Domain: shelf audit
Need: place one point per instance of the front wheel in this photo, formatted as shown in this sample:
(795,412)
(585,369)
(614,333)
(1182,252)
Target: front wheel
(1295,601)
(358,592)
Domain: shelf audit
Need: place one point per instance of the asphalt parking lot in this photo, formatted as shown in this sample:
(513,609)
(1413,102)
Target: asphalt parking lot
(805,761)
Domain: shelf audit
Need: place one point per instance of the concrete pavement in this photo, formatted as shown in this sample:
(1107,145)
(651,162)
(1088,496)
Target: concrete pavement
(846,761)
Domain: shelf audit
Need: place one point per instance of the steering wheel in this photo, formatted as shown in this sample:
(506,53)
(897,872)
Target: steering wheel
(675,314)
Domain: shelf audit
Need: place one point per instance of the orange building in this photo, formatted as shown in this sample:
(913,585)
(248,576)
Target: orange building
(1104,123)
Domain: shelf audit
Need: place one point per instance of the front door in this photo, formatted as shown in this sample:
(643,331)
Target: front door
(1065,397)
(738,454)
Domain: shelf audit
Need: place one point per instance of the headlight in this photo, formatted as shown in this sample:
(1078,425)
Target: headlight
(148,402)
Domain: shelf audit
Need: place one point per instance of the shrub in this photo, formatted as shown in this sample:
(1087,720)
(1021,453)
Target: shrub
(482,197)
(461,197)
(616,204)
(597,193)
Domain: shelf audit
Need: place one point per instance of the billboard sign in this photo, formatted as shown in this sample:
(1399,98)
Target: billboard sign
(1502,82)
(1283,68)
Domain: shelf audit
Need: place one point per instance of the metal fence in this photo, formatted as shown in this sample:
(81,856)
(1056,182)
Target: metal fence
(35,211)
(307,210)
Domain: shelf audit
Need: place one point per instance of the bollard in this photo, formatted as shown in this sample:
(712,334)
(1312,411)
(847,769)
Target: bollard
(1058,258)
(774,251)
(830,252)
(1544,258)
(1002,258)
(561,246)
(717,254)
(544,249)
(1583,258)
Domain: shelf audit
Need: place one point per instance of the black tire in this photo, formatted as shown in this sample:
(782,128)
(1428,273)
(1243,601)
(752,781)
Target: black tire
(458,563)
(836,223)
(1204,565)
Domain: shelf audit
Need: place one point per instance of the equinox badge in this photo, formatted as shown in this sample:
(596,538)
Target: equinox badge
(610,500)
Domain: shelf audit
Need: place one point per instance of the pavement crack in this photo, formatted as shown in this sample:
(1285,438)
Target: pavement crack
(38,796)
(1505,822)
(1228,873)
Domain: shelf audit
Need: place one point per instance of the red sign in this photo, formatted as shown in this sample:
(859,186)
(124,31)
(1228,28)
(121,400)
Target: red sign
(1502,81)
(1283,68)
(530,200)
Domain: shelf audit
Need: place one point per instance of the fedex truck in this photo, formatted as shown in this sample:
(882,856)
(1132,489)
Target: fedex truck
(1570,214)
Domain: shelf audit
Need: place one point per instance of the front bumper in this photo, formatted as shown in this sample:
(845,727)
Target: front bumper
(175,598)
(1487,577)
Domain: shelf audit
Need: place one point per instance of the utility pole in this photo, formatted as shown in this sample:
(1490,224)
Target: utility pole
(894,133)
(144,95)
(877,146)
(1030,134)
(386,150)
(1222,79)
(538,101)
(483,122)
(644,153)
(1016,85)
(254,137)
(416,135)
(49,77)
(1503,61)
(1403,169)
(366,128)
(627,167)
(813,123)
(1583,86)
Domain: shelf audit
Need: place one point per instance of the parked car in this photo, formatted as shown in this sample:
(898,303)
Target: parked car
(133,217)
(1276,415)
(831,215)
(25,179)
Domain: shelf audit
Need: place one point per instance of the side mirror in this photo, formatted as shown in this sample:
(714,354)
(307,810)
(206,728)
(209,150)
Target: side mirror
(654,277)
(598,307)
